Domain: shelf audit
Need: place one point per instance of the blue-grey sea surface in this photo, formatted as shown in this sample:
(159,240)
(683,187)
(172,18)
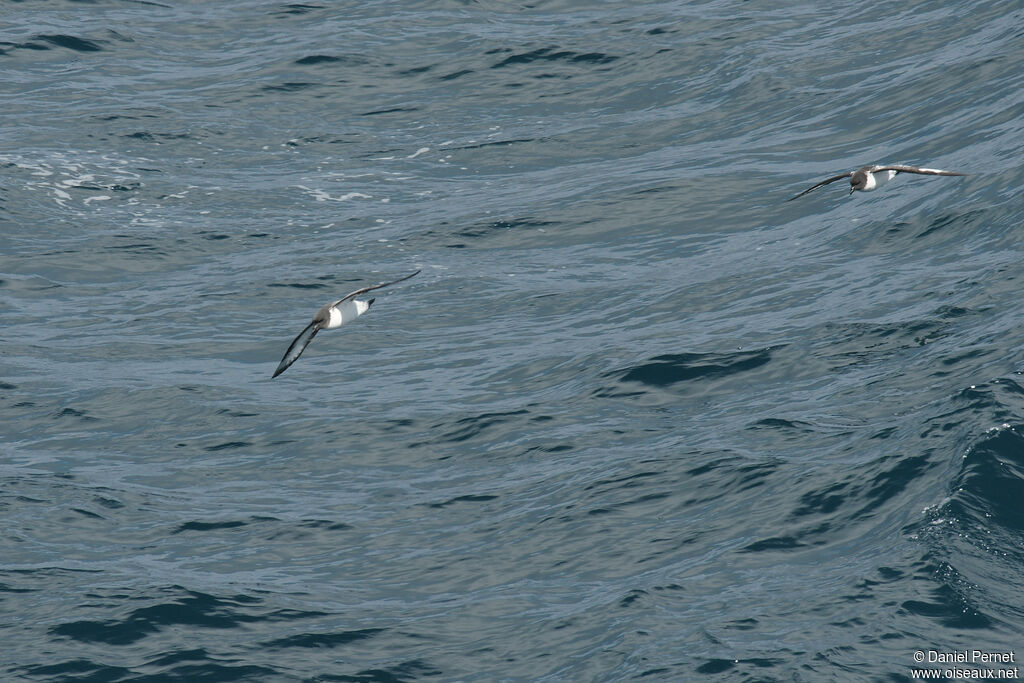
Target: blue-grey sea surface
(638,417)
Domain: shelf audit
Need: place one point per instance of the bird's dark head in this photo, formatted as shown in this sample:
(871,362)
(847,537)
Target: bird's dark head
(858,181)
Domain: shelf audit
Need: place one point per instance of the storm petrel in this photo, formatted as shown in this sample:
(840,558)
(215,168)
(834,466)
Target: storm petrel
(868,178)
(329,317)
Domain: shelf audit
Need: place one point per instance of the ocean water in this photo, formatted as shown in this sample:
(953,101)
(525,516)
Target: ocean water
(638,417)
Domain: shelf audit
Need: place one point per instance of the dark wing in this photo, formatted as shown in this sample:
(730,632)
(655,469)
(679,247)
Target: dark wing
(914,169)
(823,182)
(364,290)
(297,347)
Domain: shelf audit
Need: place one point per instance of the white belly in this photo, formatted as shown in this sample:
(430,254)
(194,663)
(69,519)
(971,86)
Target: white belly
(346,312)
(878,179)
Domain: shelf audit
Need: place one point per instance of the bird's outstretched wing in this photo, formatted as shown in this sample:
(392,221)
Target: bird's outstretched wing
(914,169)
(297,347)
(823,182)
(364,290)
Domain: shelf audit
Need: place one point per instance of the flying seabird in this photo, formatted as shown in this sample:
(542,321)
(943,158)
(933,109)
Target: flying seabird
(868,178)
(329,317)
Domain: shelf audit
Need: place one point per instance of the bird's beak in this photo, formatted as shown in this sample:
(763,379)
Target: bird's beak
(852,190)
